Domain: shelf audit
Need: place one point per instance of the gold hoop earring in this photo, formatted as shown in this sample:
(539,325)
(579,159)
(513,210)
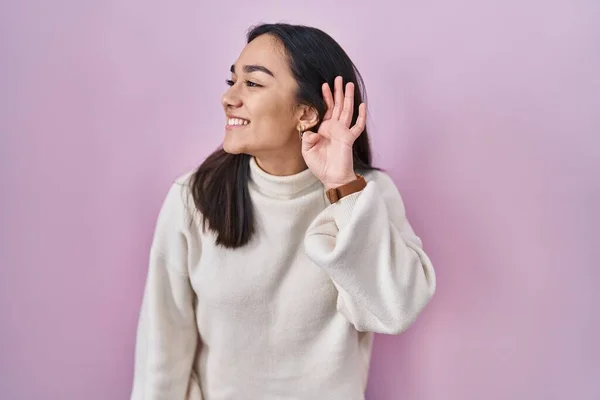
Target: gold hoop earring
(301,131)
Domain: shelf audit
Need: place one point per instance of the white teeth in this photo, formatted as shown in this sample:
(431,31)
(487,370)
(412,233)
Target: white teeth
(237,121)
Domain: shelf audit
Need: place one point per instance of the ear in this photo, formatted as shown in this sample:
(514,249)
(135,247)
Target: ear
(308,117)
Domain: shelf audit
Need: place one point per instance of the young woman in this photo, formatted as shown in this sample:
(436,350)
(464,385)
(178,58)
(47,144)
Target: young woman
(278,258)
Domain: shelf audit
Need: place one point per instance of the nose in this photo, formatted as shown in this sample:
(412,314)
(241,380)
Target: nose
(231,98)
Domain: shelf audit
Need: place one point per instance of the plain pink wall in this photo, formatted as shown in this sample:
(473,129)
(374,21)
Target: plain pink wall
(487,116)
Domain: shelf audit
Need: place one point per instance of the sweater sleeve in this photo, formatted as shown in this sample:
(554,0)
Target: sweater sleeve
(167,335)
(371,253)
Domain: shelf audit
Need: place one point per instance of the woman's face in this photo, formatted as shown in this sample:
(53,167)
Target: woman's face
(262,114)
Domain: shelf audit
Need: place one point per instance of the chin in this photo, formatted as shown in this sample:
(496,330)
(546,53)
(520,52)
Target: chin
(232,151)
(233,148)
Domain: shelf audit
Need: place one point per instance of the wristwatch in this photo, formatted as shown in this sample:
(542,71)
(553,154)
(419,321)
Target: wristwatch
(334,194)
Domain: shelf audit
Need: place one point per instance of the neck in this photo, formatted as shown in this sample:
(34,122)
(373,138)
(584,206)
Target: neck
(282,186)
(282,165)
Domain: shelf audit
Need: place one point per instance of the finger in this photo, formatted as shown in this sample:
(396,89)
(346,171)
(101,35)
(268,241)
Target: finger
(361,121)
(328,97)
(348,109)
(338,96)
(309,139)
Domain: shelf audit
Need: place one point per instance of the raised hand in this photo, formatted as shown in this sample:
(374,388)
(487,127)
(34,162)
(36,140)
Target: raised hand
(328,152)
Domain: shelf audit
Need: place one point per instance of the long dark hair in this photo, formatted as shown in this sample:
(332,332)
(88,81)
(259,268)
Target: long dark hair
(219,187)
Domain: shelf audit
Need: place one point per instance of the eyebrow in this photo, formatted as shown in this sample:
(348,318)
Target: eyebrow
(252,68)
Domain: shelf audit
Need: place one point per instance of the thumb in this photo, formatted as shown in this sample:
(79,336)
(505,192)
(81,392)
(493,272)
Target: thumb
(309,139)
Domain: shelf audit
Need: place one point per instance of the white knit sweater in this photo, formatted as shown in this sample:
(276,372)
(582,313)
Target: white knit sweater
(291,315)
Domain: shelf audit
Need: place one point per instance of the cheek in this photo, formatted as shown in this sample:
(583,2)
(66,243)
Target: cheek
(274,115)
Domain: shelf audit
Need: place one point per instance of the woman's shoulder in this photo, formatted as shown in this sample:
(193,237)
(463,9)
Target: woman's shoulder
(185,178)
(179,203)
(173,227)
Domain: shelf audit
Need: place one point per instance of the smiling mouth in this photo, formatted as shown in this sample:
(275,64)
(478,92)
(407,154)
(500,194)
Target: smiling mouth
(231,122)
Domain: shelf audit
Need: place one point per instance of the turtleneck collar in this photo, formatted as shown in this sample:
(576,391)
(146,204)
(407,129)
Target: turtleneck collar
(281,186)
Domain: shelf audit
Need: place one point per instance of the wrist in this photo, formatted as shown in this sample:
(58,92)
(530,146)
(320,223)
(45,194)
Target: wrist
(340,182)
(355,185)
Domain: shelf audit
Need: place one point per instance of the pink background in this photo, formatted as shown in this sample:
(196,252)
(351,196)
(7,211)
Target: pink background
(487,116)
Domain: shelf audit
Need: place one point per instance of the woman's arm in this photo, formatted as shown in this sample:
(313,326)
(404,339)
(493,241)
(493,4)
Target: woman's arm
(377,263)
(167,334)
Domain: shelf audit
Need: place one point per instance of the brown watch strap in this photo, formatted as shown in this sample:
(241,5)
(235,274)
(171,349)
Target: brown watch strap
(334,194)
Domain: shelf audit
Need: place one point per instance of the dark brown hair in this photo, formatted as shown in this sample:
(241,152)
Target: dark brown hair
(219,187)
